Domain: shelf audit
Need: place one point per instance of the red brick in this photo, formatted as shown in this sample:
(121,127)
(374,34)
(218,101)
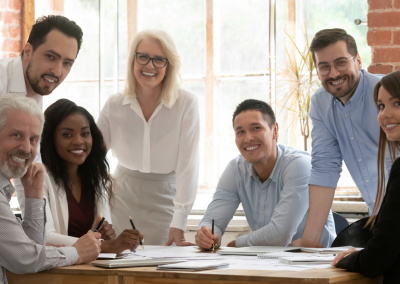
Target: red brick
(14,4)
(379,38)
(11,45)
(396,37)
(396,4)
(383,19)
(4,31)
(380,69)
(14,32)
(397,68)
(379,4)
(385,55)
(10,18)
(12,55)
(3,4)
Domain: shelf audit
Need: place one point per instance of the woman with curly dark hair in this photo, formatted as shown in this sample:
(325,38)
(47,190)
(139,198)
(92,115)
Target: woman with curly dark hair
(78,185)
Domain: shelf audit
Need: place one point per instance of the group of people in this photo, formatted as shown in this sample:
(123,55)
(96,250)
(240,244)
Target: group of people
(152,127)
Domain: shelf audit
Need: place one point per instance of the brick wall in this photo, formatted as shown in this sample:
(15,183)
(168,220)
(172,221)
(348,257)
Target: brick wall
(10,28)
(384,35)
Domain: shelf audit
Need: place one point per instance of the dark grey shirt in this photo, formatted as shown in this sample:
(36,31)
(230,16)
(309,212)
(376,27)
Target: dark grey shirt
(22,244)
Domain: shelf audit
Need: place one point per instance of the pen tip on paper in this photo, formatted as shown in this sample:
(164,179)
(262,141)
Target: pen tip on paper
(130,217)
(142,247)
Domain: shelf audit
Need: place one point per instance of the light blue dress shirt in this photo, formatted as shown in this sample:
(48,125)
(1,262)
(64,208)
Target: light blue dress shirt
(347,132)
(276,209)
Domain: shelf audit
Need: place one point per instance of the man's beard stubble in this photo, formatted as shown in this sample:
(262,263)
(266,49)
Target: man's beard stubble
(16,172)
(34,82)
(350,90)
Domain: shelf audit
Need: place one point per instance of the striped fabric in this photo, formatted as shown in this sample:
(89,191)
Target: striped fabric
(22,247)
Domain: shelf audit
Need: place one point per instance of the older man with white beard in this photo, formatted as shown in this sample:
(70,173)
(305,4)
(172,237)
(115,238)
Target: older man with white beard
(22,247)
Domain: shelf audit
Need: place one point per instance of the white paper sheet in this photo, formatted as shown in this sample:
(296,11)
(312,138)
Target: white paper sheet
(235,261)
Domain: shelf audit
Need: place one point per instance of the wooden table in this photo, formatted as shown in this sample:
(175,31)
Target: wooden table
(87,274)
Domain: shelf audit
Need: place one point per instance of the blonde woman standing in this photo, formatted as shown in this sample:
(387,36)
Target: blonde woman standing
(153,128)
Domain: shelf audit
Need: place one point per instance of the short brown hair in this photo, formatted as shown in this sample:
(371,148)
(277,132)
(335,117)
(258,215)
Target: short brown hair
(323,38)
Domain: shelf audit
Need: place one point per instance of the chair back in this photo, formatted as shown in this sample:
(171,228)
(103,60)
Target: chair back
(354,235)
(340,222)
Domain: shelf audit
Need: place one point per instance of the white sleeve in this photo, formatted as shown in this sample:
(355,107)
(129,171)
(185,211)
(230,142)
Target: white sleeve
(103,123)
(52,236)
(187,170)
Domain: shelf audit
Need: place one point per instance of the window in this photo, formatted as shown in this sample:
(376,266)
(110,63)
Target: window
(226,47)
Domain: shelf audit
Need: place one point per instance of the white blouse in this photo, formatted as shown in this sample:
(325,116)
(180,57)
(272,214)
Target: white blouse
(167,142)
(57,214)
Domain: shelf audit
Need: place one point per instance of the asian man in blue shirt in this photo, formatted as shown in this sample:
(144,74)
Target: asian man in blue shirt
(270,180)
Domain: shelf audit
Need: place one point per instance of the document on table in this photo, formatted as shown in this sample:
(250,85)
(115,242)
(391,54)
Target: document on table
(107,256)
(194,265)
(235,261)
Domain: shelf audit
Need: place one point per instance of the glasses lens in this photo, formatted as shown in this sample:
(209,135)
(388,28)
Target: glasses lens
(159,62)
(324,69)
(142,58)
(342,64)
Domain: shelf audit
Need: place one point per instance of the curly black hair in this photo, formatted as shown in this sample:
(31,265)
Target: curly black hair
(94,172)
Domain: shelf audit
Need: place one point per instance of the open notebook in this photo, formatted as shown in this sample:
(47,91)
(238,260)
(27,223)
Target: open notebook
(278,254)
(328,250)
(314,259)
(256,250)
(193,265)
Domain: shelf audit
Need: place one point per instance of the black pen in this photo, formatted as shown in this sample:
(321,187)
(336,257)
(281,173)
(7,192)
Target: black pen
(99,225)
(212,232)
(133,227)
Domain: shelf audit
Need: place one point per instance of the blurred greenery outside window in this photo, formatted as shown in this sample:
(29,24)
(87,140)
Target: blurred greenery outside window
(232,47)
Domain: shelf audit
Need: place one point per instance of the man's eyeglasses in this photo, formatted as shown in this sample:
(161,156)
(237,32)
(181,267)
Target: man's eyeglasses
(158,61)
(341,65)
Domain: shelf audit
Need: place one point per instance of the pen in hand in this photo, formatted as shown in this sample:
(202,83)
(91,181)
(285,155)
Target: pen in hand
(133,227)
(99,225)
(212,232)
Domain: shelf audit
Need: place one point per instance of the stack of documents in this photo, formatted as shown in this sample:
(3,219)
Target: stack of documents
(194,265)
(328,250)
(256,250)
(314,259)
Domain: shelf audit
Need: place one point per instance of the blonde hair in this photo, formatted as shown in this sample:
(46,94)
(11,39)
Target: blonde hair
(172,79)
(391,83)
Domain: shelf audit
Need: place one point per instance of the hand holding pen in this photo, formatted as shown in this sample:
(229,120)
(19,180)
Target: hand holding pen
(133,227)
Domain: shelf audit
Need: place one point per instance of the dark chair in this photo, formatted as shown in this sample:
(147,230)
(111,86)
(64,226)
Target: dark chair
(354,235)
(340,222)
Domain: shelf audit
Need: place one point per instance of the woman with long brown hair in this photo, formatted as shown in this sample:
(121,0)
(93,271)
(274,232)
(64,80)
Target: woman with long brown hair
(381,256)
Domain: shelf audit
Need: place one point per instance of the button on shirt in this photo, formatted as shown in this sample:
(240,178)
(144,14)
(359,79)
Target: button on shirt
(276,209)
(167,142)
(22,247)
(12,81)
(347,132)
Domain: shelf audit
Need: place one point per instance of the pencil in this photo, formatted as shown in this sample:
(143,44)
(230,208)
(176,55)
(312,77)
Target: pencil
(133,227)
(212,232)
(100,224)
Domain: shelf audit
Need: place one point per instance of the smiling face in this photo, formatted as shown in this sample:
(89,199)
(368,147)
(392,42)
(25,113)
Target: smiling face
(255,140)
(389,114)
(73,140)
(340,84)
(148,76)
(18,143)
(48,66)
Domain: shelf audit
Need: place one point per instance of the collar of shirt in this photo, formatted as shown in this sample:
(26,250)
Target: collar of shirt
(6,186)
(357,94)
(135,106)
(17,81)
(274,173)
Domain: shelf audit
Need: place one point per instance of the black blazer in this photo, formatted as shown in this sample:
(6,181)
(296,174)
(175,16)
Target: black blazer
(381,256)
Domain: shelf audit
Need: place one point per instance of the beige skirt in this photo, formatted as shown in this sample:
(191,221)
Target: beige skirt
(148,199)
